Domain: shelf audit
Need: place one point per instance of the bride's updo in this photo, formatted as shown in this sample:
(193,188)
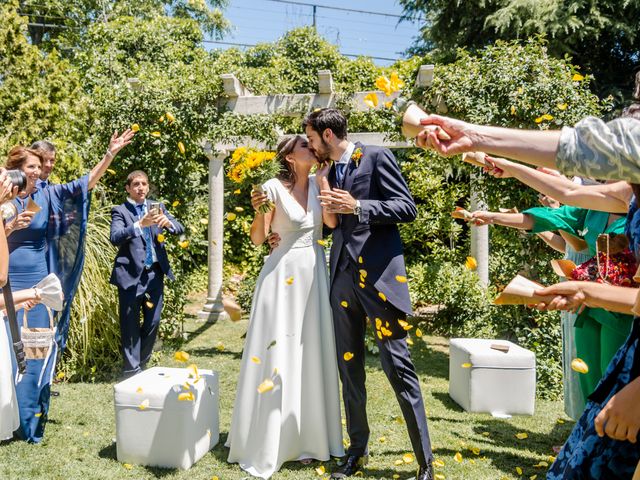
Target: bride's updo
(287,173)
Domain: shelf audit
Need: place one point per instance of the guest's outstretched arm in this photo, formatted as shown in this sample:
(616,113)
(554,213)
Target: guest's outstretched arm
(574,295)
(117,143)
(514,220)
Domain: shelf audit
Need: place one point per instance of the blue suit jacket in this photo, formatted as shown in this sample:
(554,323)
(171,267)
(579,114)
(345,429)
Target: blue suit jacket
(386,201)
(129,263)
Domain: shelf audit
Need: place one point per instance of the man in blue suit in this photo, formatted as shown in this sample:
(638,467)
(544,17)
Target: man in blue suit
(139,270)
(368,280)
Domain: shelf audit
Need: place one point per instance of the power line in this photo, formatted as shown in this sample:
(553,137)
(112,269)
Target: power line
(342,9)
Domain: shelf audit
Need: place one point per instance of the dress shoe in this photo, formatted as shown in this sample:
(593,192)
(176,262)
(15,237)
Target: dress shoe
(425,473)
(352,464)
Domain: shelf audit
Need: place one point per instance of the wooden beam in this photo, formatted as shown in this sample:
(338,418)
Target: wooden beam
(233,87)
(325,82)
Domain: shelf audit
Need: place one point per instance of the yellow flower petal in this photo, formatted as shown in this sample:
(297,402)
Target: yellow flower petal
(579,365)
(181,148)
(175,203)
(237,192)
(360,260)
(135,127)
(184,243)
(144,404)
(322,243)
(363,273)
(401,279)
(577,77)
(409,341)
(538,120)
(128,466)
(403,323)
(181,356)
(382,439)
(347,356)
(256,360)
(418,333)
(438,463)
(344,304)
(522,436)
(289,280)
(220,347)
(149,304)
(513,110)
(139,390)
(161,238)
(485,434)
(38,415)
(204,221)
(193,371)
(231,216)
(407,458)
(239,209)
(475,450)
(439,476)
(186,397)
(388,104)
(161,119)
(60,376)
(111,171)
(361,285)
(471,263)
(518,470)
(320,470)
(458,457)
(265,386)
(560,421)
(371,100)
(562,106)
(170,117)
(382,296)
(155,134)
(466,365)
(379,333)
(533,477)
(547,117)
(398,462)
(378,323)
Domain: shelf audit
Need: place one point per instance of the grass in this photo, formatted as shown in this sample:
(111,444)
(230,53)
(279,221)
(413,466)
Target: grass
(80,437)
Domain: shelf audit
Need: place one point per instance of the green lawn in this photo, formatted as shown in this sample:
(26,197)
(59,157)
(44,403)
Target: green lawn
(80,436)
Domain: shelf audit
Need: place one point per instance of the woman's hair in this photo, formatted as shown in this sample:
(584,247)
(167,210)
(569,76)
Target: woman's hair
(19,154)
(285,147)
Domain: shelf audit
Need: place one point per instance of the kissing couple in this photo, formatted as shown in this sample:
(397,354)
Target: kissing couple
(306,328)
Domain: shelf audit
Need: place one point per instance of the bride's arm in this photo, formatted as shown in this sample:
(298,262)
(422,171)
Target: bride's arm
(261,221)
(329,219)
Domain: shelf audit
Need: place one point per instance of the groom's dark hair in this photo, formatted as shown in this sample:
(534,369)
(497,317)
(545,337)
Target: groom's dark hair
(325,118)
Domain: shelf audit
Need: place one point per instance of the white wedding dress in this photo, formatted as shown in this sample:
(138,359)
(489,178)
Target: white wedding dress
(9,419)
(290,342)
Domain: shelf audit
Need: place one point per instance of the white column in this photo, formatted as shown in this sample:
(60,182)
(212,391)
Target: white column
(479,235)
(213,310)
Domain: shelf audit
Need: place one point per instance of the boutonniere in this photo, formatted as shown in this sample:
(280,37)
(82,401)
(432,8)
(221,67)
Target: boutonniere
(356,156)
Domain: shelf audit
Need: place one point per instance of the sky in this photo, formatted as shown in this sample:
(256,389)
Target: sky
(355,33)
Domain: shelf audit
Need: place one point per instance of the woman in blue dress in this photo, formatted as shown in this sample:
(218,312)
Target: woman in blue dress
(46,215)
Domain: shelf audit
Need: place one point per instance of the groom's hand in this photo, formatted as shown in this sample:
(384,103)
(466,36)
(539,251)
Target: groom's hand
(337,201)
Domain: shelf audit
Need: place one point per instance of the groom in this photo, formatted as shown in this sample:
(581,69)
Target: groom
(368,279)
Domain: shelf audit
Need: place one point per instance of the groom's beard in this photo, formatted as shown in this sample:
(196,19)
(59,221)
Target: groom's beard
(323,153)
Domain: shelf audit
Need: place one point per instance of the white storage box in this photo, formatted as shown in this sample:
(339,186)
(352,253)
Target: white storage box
(155,428)
(485,379)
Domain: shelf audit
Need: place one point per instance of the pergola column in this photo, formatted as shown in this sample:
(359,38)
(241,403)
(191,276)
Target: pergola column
(213,310)
(479,235)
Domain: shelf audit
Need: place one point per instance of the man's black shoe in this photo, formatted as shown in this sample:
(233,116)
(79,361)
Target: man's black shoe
(425,473)
(350,466)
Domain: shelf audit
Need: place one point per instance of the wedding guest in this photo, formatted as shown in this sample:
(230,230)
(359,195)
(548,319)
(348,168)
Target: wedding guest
(287,404)
(48,154)
(46,216)
(137,229)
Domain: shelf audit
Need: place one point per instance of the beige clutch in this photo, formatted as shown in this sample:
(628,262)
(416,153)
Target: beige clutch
(32,206)
(461,214)
(563,268)
(411,126)
(520,292)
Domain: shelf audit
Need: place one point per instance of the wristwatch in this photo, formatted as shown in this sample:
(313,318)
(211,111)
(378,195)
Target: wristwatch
(357,210)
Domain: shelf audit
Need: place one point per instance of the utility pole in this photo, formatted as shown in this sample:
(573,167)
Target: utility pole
(315,8)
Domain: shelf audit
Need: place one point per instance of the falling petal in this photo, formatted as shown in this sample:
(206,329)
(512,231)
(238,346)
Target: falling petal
(322,243)
(60,376)
(161,238)
(560,421)
(220,347)
(401,278)
(186,397)
(438,463)
(513,110)
(382,296)
(204,221)
(148,304)
(347,356)
(320,470)
(361,285)
(562,106)
(184,243)
(418,333)
(388,104)
(407,458)
(256,360)
(289,280)
(344,304)
(518,470)
(161,119)
(181,356)
(231,216)
(409,341)
(135,127)
(579,365)
(475,451)
(458,457)
(522,436)
(38,415)
(155,134)
(371,100)
(128,466)
(380,335)
(577,77)
(111,171)
(403,323)
(398,462)
(484,434)
(181,148)
(363,273)
(175,203)
(170,117)
(265,386)
(239,209)
(139,390)
(382,439)
(471,263)
(144,404)
(193,371)
(360,260)
(237,192)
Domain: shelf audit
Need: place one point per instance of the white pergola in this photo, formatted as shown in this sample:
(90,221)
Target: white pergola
(239,100)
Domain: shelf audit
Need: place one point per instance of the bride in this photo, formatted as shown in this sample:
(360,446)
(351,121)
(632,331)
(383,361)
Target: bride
(287,402)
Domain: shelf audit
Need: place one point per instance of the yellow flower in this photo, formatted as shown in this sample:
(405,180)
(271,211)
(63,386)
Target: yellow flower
(418,333)
(289,280)
(322,243)
(265,386)
(579,365)
(344,304)
(60,376)
(184,243)
(401,278)
(407,458)
(231,216)
(170,117)
(320,470)
(538,120)
(562,106)
(458,457)
(186,397)
(384,84)
(135,127)
(347,356)
(181,147)
(387,104)
(546,116)
(161,238)
(256,360)
(382,296)
(181,356)
(237,192)
(175,203)
(155,134)
(144,404)
(522,436)
(396,82)
(111,171)
(371,100)
(577,77)
(471,263)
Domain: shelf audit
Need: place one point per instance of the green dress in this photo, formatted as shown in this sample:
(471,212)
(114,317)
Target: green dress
(598,333)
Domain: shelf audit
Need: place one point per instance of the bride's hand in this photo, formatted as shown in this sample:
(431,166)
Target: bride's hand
(258,199)
(323,170)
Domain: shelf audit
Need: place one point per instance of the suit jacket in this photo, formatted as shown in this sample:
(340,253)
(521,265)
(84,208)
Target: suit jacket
(129,263)
(386,201)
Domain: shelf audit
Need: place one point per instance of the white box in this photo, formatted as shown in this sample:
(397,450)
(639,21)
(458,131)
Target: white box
(154,428)
(483,379)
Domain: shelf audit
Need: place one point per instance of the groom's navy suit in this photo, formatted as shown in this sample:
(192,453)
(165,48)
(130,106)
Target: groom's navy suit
(140,286)
(366,263)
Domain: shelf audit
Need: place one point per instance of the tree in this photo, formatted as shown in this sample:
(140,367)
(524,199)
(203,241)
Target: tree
(600,35)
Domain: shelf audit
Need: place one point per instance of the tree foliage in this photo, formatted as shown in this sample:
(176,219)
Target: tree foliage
(600,35)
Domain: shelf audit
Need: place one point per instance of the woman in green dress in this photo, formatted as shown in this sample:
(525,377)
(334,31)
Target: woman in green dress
(598,333)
